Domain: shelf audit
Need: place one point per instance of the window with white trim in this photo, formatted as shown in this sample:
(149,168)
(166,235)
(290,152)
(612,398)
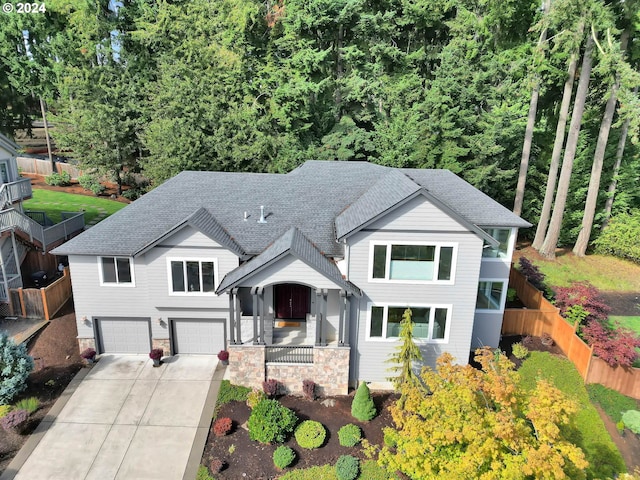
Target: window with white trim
(412,262)
(192,276)
(502,235)
(489,295)
(430,323)
(116,271)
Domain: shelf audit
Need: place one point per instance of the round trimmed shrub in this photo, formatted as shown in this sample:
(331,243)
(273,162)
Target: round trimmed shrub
(270,422)
(631,420)
(283,457)
(347,467)
(310,434)
(349,435)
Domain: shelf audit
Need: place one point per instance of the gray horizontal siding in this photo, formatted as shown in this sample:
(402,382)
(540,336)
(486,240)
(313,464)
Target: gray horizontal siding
(495,269)
(486,329)
(417,213)
(289,270)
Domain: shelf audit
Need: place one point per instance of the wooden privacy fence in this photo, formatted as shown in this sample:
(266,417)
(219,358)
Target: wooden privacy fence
(43,167)
(44,302)
(541,316)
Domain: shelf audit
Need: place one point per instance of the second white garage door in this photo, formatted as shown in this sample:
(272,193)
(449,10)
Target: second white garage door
(124,335)
(198,336)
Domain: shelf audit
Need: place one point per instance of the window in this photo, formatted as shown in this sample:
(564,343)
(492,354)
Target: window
(116,271)
(192,276)
(501,235)
(429,323)
(412,262)
(489,295)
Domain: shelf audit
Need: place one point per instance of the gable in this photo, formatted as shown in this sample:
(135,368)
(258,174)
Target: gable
(188,237)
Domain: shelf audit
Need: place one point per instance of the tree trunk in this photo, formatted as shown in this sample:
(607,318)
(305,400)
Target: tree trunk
(541,230)
(528,133)
(548,248)
(580,248)
(611,192)
(46,134)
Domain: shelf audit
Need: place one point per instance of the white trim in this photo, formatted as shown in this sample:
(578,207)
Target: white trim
(184,260)
(510,245)
(116,283)
(503,295)
(436,261)
(432,312)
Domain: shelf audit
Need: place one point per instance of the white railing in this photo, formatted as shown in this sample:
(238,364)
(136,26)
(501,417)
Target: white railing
(45,236)
(13,282)
(14,191)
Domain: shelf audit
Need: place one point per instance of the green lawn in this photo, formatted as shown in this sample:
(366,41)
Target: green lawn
(53,203)
(603,271)
(632,323)
(586,428)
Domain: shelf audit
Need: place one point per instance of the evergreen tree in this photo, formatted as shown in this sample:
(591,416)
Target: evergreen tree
(362,406)
(406,354)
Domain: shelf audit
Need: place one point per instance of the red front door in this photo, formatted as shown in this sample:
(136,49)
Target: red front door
(292,301)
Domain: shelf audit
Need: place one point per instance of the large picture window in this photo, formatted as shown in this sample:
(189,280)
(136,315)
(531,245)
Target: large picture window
(429,322)
(489,295)
(412,262)
(116,271)
(192,276)
(502,235)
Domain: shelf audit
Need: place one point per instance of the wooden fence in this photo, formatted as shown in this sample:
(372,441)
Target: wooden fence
(44,302)
(541,316)
(43,167)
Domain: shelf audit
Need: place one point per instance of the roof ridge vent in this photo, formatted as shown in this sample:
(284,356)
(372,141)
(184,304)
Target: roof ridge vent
(262,219)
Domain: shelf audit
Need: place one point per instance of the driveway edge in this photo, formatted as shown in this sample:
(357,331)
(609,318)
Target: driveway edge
(35,437)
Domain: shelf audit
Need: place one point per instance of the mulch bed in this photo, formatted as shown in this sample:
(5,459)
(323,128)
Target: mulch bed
(248,459)
(55,352)
(37,181)
(622,303)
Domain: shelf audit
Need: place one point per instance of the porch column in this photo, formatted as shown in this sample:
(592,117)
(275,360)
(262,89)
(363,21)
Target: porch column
(236,302)
(347,319)
(343,295)
(261,306)
(232,316)
(254,295)
(323,336)
(318,316)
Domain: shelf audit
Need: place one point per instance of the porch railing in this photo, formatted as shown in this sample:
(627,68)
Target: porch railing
(289,354)
(14,191)
(72,223)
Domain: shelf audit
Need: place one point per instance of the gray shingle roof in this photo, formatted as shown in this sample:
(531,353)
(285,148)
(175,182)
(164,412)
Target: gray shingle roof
(9,145)
(291,243)
(310,198)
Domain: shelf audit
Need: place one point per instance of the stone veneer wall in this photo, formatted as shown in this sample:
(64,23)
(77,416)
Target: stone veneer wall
(330,369)
(162,343)
(84,343)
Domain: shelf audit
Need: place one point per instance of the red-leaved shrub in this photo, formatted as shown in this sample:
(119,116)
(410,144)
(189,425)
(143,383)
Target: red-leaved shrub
(585,295)
(222,426)
(270,387)
(532,273)
(216,465)
(309,389)
(616,346)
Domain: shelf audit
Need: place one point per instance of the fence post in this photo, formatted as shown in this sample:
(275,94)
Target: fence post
(43,293)
(22,307)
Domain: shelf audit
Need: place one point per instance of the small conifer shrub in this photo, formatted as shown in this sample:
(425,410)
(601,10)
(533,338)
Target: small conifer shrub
(362,407)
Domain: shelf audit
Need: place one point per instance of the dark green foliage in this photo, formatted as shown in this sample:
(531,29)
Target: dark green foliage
(91,183)
(310,434)
(283,457)
(16,367)
(347,467)
(231,393)
(271,422)
(612,402)
(362,407)
(405,354)
(349,435)
(620,238)
(62,179)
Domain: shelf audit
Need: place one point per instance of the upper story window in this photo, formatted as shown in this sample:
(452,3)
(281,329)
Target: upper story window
(116,271)
(192,276)
(430,323)
(502,235)
(490,295)
(412,262)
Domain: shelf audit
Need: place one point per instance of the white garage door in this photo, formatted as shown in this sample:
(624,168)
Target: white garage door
(124,335)
(198,336)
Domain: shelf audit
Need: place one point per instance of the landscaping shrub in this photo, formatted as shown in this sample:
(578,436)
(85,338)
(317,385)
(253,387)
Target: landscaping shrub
(231,393)
(615,345)
(271,422)
(203,473)
(14,419)
(362,406)
(30,404)
(532,273)
(576,315)
(613,403)
(254,397)
(370,470)
(519,351)
(91,182)
(620,427)
(349,435)
(216,465)
(62,179)
(270,387)
(347,467)
(631,420)
(283,457)
(4,409)
(512,294)
(309,389)
(585,295)
(620,238)
(222,426)
(16,367)
(310,434)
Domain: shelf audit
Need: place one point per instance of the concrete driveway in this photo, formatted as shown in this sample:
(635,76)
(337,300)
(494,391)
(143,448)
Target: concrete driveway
(127,421)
